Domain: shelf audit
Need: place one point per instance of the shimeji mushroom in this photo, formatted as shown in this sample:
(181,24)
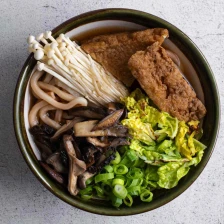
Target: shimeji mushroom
(55,161)
(109,121)
(83,178)
(76,166)
(65,128)
(84,129)
(88,112)
(54,174)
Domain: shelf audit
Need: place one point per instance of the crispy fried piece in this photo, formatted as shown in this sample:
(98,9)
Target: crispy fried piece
(164,84)
(114,50)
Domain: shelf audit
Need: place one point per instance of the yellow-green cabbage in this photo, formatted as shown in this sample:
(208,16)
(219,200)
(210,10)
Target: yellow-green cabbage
(167,145)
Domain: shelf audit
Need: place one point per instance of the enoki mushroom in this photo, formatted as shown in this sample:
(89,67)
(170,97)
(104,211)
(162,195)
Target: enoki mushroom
(66,61)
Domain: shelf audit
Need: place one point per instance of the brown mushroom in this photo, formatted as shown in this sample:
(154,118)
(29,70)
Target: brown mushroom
(44,149)
(118,142)
(113,106)
(83,129)
(88,112)
(55,161)
(109,121)
(76,166)
(56,176)
(96,142)
(83,178)
(65,128)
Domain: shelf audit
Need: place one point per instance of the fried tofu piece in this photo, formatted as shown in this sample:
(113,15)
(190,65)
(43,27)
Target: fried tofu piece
(162,81)
(114,50)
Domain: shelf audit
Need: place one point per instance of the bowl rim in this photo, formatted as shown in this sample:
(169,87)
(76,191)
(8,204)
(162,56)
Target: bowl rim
(18,105)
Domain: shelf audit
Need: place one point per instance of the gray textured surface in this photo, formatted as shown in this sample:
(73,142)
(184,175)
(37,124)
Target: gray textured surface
(22,198)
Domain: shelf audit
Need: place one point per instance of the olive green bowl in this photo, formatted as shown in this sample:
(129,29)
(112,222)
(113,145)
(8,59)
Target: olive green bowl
(198,72)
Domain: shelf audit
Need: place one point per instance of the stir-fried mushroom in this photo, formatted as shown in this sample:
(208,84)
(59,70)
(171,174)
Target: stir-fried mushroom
(55,161)
(113,106)
(83,178)
(83,129)
(117,131)
(76,166)
(96,142)
(56,176)
(88,112)
(118,142)
(42,134)
(109,121)
(44,147)
(77,150)
(110,143)
(91,154)
(65,128)
(103,161)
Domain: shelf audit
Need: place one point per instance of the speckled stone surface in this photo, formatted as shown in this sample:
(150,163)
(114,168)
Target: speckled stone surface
(22,198)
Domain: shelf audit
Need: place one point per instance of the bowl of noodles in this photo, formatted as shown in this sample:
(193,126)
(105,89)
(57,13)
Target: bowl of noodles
(112,111)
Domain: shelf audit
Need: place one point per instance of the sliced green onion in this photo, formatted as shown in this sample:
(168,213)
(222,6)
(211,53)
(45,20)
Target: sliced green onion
(86,193)
(89,181)
(120,191)
(128,200)
(117,158)
(132,155)
(87,190)
(152,184)
(126,161)
(103,177)
(146,196)
(135,173)
(116,202)
(121,177)
(144,183)
(108,168)
(99,191)
(123,149)
(134,191)
(120,169)
(134,182)
(139,163)
(86,197)
(107,188)
(117,181)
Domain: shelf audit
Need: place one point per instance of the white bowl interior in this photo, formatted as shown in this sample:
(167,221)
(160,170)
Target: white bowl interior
(189,71)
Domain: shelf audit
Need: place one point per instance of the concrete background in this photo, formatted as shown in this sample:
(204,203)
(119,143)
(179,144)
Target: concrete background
(22,198)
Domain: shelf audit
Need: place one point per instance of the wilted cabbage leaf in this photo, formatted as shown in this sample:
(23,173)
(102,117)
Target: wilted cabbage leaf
(167,145)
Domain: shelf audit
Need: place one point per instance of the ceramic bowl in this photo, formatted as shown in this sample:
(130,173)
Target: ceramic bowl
(198,73)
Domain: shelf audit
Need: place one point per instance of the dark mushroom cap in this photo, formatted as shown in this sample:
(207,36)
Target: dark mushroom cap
(88,112)
(55,161)
(109,121)
(55,175)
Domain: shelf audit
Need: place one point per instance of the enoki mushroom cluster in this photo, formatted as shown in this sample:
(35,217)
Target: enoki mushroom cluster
(67,62)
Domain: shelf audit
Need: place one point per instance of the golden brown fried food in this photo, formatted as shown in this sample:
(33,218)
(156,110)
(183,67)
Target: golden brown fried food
(164,84)
(113,51)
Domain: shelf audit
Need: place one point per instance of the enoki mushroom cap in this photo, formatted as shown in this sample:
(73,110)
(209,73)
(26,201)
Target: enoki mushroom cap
(47,34)
(40,66)
(54,45)
(40,36)
(30,39)
(39,54)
